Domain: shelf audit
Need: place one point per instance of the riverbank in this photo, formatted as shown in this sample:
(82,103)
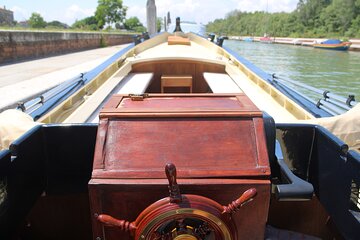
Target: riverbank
(308,42)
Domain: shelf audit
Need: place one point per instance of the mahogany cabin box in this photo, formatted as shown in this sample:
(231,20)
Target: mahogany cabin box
(216,142)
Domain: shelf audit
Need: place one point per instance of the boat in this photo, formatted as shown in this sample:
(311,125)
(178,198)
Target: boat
(248,39)
(333,44)
(176,138)
(296,41)
(266,39)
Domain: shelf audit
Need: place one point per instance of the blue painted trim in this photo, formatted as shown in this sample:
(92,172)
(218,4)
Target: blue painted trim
(97,70)
(290,93)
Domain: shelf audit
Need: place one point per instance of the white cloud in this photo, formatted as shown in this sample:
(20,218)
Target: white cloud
(20,14)
(267,5)
(137,11)
(74,12)
(203,11)
(69,16)
(190,10)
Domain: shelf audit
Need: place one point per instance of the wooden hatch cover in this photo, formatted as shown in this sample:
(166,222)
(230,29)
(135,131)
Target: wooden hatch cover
(203,135)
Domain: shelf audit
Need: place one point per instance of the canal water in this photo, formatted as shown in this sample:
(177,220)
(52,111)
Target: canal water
(335,71)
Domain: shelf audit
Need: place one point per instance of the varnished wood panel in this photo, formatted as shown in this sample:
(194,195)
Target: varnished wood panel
(121,199)
(178,67)
(216,141)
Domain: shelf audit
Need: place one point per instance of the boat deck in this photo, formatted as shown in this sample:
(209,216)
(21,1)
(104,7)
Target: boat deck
(158,58)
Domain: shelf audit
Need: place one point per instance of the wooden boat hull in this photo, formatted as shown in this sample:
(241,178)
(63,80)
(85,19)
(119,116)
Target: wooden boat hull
(201,56)
(49,167)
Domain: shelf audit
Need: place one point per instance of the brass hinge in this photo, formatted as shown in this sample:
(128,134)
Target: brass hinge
(138,97)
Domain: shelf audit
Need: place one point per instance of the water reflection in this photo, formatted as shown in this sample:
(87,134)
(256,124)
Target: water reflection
(336,71)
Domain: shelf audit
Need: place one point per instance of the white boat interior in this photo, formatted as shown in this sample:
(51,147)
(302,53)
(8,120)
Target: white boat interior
(185,63)
(175,64)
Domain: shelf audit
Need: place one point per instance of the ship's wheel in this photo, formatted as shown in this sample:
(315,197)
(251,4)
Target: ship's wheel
(183,217)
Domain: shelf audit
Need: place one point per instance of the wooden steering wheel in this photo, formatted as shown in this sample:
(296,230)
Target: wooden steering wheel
(183,217)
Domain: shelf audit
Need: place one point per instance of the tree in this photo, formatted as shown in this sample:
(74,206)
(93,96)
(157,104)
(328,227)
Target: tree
(36,21)
(89,23)
(109,12)
(57,24)
(312,18)
(159,24)
(132,23)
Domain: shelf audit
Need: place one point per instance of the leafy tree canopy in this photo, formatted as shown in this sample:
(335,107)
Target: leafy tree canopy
(109,12)
(132,23)
(159,24)
(36,21)
(312,18)
(89,23)
(56,24)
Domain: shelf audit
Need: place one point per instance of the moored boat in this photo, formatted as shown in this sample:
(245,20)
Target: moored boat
(248,39)
(333,44)
(177,112)
(266,39)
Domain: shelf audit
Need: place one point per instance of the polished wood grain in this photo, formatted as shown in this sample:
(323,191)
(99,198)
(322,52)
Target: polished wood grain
(246,197)
(128,198)
(216,142)
(174,190)
(123,225)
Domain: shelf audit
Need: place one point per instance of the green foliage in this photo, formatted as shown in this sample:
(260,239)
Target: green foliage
(140,29)
(109,12)
(56,24)
(89,23)
(103,42)
(312,18)
(36,21)
(159,24)
(132,23)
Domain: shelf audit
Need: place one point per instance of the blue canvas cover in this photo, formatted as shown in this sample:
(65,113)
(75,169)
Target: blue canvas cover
(332,41)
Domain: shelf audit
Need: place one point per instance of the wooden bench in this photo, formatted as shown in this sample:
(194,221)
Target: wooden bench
(221,83)
(132,83)
(135,83)
(178,81)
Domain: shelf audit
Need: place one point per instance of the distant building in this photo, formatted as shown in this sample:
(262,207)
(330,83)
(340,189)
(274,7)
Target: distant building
(24,24)
(6,16)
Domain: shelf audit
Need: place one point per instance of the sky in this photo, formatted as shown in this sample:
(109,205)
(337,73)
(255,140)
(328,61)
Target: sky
(201,11)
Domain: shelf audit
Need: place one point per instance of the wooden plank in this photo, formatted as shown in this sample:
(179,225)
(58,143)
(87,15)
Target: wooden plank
(176,40)
(221,83)
(135,83)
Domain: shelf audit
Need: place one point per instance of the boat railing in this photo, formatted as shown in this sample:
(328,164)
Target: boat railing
(56,92)
(40,105)
(330,102)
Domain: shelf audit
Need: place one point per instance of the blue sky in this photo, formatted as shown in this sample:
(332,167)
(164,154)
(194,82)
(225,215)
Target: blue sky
(201,11)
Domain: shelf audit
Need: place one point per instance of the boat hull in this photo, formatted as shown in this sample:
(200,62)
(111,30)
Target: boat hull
(339,47)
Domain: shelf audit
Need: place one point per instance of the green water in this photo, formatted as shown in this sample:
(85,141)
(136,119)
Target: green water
(335,71)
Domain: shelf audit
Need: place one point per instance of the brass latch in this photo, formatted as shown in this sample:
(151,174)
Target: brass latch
(138,97)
